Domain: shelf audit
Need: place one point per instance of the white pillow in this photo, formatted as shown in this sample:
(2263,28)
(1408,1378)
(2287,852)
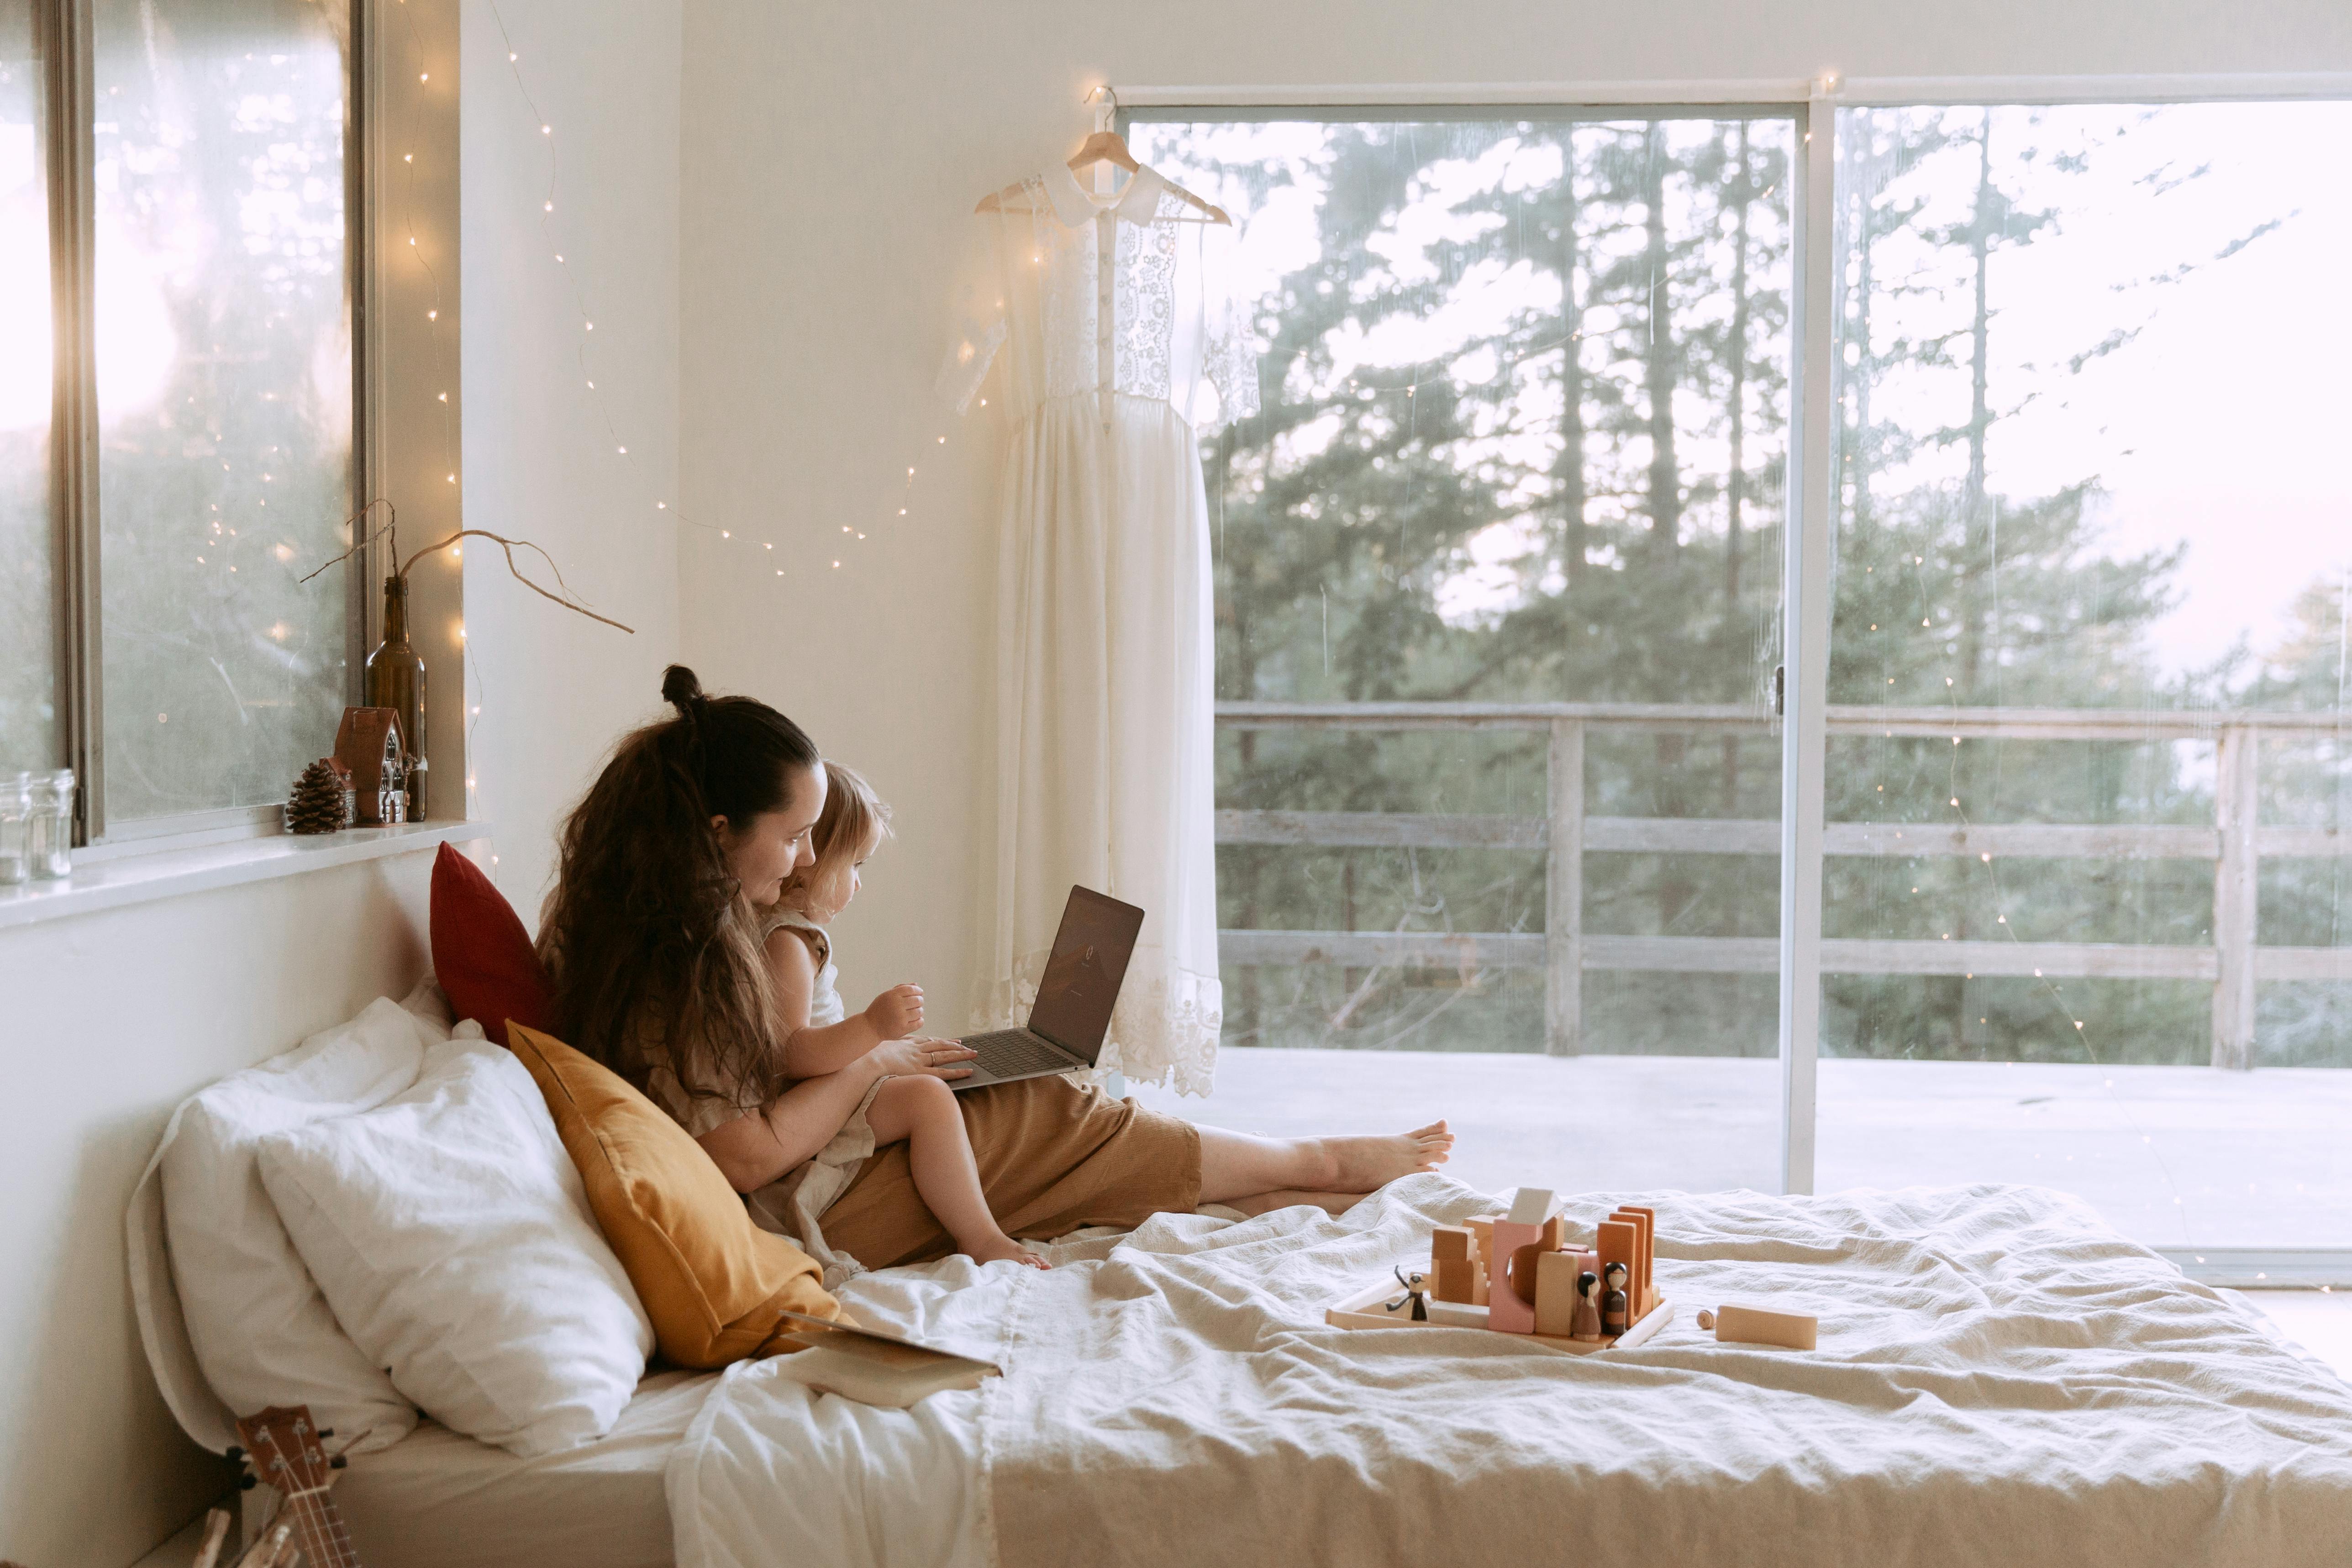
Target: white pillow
(452,1237)
(262,1332)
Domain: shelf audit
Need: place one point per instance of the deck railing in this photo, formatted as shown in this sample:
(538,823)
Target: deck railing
(2236,844)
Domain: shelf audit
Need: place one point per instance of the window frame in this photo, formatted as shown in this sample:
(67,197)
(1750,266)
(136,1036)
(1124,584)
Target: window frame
(68,29)
(1811,519)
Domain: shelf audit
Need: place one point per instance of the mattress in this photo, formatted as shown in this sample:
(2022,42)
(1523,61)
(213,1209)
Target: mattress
(437,1499)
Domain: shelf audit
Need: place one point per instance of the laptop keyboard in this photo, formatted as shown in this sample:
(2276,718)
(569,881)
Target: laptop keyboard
(1008,1052)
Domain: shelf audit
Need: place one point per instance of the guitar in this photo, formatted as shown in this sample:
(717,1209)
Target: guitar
(282,1448)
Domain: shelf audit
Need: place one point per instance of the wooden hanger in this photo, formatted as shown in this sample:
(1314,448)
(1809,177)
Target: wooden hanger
(1107,146)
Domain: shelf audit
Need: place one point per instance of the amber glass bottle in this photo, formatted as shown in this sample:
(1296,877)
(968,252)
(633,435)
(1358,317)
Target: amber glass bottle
(395,679)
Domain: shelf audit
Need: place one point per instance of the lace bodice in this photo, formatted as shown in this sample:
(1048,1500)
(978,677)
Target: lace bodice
(1122,294)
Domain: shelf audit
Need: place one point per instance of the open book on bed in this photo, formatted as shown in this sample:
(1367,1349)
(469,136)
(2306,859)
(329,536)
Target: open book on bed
(875,1368)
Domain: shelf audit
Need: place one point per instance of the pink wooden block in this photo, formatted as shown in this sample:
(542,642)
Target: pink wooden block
(1504,1310)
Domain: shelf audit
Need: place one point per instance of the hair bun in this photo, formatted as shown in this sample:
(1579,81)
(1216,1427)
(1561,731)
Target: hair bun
(680,689)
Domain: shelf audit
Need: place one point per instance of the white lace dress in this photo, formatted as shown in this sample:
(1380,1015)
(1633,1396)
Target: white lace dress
(1113,348)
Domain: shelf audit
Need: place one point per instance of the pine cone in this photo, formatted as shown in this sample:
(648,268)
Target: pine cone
(317,803)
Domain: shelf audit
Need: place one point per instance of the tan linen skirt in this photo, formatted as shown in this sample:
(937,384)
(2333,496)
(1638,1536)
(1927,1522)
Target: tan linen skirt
(1052,1157)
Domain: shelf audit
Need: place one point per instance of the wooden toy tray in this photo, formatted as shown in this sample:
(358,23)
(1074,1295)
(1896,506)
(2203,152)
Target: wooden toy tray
(1367,1308)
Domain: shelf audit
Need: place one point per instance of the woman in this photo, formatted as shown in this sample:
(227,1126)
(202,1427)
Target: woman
(651,943)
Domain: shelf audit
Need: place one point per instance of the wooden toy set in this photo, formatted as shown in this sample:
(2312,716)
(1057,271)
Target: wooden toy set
(1515,1274)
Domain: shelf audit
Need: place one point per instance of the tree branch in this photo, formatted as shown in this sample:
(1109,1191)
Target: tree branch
(508,545)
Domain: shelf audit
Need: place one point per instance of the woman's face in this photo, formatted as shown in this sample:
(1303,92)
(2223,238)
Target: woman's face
(774,844)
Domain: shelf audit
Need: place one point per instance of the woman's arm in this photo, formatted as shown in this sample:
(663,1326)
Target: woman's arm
(810,1052)
(756,1149)
(759,1147)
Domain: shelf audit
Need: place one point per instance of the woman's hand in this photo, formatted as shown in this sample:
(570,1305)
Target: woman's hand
(922,1058)
(898,1013)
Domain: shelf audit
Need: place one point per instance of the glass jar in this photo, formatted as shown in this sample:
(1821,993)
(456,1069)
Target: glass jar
(49,836)
(15,811)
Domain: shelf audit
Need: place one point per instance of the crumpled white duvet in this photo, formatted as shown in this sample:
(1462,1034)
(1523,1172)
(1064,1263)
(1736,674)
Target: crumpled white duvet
(2001,1379)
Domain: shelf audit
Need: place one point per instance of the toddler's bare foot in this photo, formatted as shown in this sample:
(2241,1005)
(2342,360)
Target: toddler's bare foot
(1004,1250)
(1363,1164)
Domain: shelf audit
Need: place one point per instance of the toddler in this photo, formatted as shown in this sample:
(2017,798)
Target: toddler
(820,1041)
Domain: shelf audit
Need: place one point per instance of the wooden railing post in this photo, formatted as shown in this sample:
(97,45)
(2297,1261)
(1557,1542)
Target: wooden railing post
(1564,892)
(2235,891)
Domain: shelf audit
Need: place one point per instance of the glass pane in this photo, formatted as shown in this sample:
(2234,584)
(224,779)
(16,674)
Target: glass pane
(225,397)
(30,732)
(1524,389)
(2094,572)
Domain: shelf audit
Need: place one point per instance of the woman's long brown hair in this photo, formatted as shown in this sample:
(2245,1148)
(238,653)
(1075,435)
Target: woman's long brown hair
(651,951)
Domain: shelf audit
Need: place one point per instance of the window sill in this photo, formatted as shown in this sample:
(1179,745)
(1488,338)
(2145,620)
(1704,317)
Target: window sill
(169,873)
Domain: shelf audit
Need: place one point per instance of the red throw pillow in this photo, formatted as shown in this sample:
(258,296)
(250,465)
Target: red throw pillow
(481,954)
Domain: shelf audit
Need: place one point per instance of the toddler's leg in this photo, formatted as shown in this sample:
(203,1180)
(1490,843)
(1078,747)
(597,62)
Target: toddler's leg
(923,1111)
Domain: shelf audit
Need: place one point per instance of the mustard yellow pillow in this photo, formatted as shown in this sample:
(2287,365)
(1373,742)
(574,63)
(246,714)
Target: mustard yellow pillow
(715,1285)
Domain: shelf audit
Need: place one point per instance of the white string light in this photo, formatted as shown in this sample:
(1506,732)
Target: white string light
(548,200)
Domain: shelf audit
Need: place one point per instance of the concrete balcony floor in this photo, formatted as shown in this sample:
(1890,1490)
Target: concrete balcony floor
(2172,1156)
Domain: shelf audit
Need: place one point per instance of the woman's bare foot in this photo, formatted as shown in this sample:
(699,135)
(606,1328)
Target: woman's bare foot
(1004,1250)
(1364,1165)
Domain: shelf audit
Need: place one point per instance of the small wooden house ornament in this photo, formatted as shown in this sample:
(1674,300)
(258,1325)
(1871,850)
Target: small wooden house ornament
(369,743)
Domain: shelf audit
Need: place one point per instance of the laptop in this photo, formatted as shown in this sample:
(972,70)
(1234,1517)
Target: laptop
(1072,1012)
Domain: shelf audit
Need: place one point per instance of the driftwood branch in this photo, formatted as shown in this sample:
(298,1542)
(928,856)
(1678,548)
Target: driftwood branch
(391,526)
(400,568)
(508,545)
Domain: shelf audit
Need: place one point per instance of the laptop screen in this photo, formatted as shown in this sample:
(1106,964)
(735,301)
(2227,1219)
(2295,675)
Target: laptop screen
(1082,978)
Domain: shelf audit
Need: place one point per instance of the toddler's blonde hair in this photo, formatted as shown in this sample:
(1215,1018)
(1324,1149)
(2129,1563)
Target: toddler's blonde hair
(853,825)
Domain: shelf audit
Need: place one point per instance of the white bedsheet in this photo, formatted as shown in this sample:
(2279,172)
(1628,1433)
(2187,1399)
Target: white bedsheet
(774,1473)
(2001,1379)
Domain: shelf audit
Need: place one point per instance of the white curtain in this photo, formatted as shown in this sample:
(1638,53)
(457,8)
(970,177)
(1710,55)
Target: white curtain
(1103,323)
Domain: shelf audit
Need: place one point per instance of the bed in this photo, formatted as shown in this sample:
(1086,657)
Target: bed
(2001,1377)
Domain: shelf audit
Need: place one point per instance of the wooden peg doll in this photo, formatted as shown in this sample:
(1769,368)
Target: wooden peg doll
(1588,1308)
(1613,1319)
(1414,1286)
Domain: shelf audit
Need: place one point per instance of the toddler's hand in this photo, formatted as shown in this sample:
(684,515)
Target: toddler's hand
(898,1013)
(924,1058)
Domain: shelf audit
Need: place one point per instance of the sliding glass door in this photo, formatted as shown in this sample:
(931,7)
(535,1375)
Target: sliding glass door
(1498,587)
(1501,610)
(2086,867)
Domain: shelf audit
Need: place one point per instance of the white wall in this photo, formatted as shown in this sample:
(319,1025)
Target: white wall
(832,154)
(554,689)
(112,1019)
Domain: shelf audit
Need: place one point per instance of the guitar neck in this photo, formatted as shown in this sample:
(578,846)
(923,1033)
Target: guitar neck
(318,1530)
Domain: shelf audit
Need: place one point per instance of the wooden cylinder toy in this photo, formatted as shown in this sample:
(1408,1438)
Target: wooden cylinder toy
(1759,1326)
